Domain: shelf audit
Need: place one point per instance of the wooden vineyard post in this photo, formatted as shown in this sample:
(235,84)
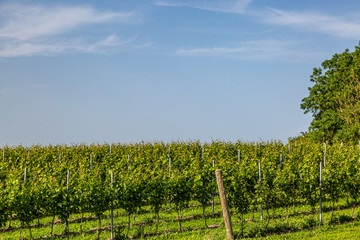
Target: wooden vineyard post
(22,224)
(261,209)
(3,154)
(239,156)
(112,206)
(169,173)
(320,217)
(90,161)
(224,205)
(128,164)
(202,154)
(213,193)
(281,160)
(324,156)
(67,192)
(25,175)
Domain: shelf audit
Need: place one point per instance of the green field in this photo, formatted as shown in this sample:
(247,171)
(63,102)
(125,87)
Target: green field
(301,224)
(74,183)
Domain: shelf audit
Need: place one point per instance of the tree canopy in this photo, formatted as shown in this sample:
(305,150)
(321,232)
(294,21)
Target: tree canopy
(334,99)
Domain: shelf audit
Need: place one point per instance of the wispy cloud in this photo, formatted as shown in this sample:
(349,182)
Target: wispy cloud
(254,50)
(28,30)
(233,6)
(68,46)
(315,22)
(215,51)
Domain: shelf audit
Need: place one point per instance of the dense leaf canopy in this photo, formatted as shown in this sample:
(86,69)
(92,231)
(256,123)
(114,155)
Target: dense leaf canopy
(334,99)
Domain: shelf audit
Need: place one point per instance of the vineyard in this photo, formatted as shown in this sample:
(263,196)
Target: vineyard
(150,184)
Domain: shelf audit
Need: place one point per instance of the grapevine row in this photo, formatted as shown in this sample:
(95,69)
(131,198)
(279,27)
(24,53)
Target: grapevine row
(157,174)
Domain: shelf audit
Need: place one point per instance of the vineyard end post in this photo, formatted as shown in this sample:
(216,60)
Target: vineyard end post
(224,205)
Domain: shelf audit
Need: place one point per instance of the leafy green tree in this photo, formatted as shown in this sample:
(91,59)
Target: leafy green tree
(99,198)
(26,209)
(53,197)
(130,194)
(309,177)
(84,201)
(180,192)
(239,196)
(203,186)
(333,177)
(4,213)
(351,180)
(66,203)
(156,191)
(334,99)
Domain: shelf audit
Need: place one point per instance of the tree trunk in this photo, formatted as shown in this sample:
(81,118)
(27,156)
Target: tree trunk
(99,217)
(268,214)
(157,222)
(127,234)
(204,215)
(10,221)
(30,231)
(352,214)
(273,212)
(52,225)
(179,218)
(82,217)
(294,206)
(287,215)
(67,228)
(332,210)
(242,225)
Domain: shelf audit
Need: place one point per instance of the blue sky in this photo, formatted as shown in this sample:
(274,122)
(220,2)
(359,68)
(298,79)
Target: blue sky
(131,70)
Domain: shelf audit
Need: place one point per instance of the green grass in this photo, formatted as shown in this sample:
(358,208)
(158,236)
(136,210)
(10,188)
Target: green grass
(301,225)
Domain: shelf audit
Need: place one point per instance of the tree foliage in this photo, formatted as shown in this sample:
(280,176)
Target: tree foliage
(334,99)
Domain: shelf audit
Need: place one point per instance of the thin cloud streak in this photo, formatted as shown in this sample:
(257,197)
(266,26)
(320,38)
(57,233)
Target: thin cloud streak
(215,51)
(28,22)
(76,45)
(307,21)
(314,22)
(37,30)
(253,50)
(230,6)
